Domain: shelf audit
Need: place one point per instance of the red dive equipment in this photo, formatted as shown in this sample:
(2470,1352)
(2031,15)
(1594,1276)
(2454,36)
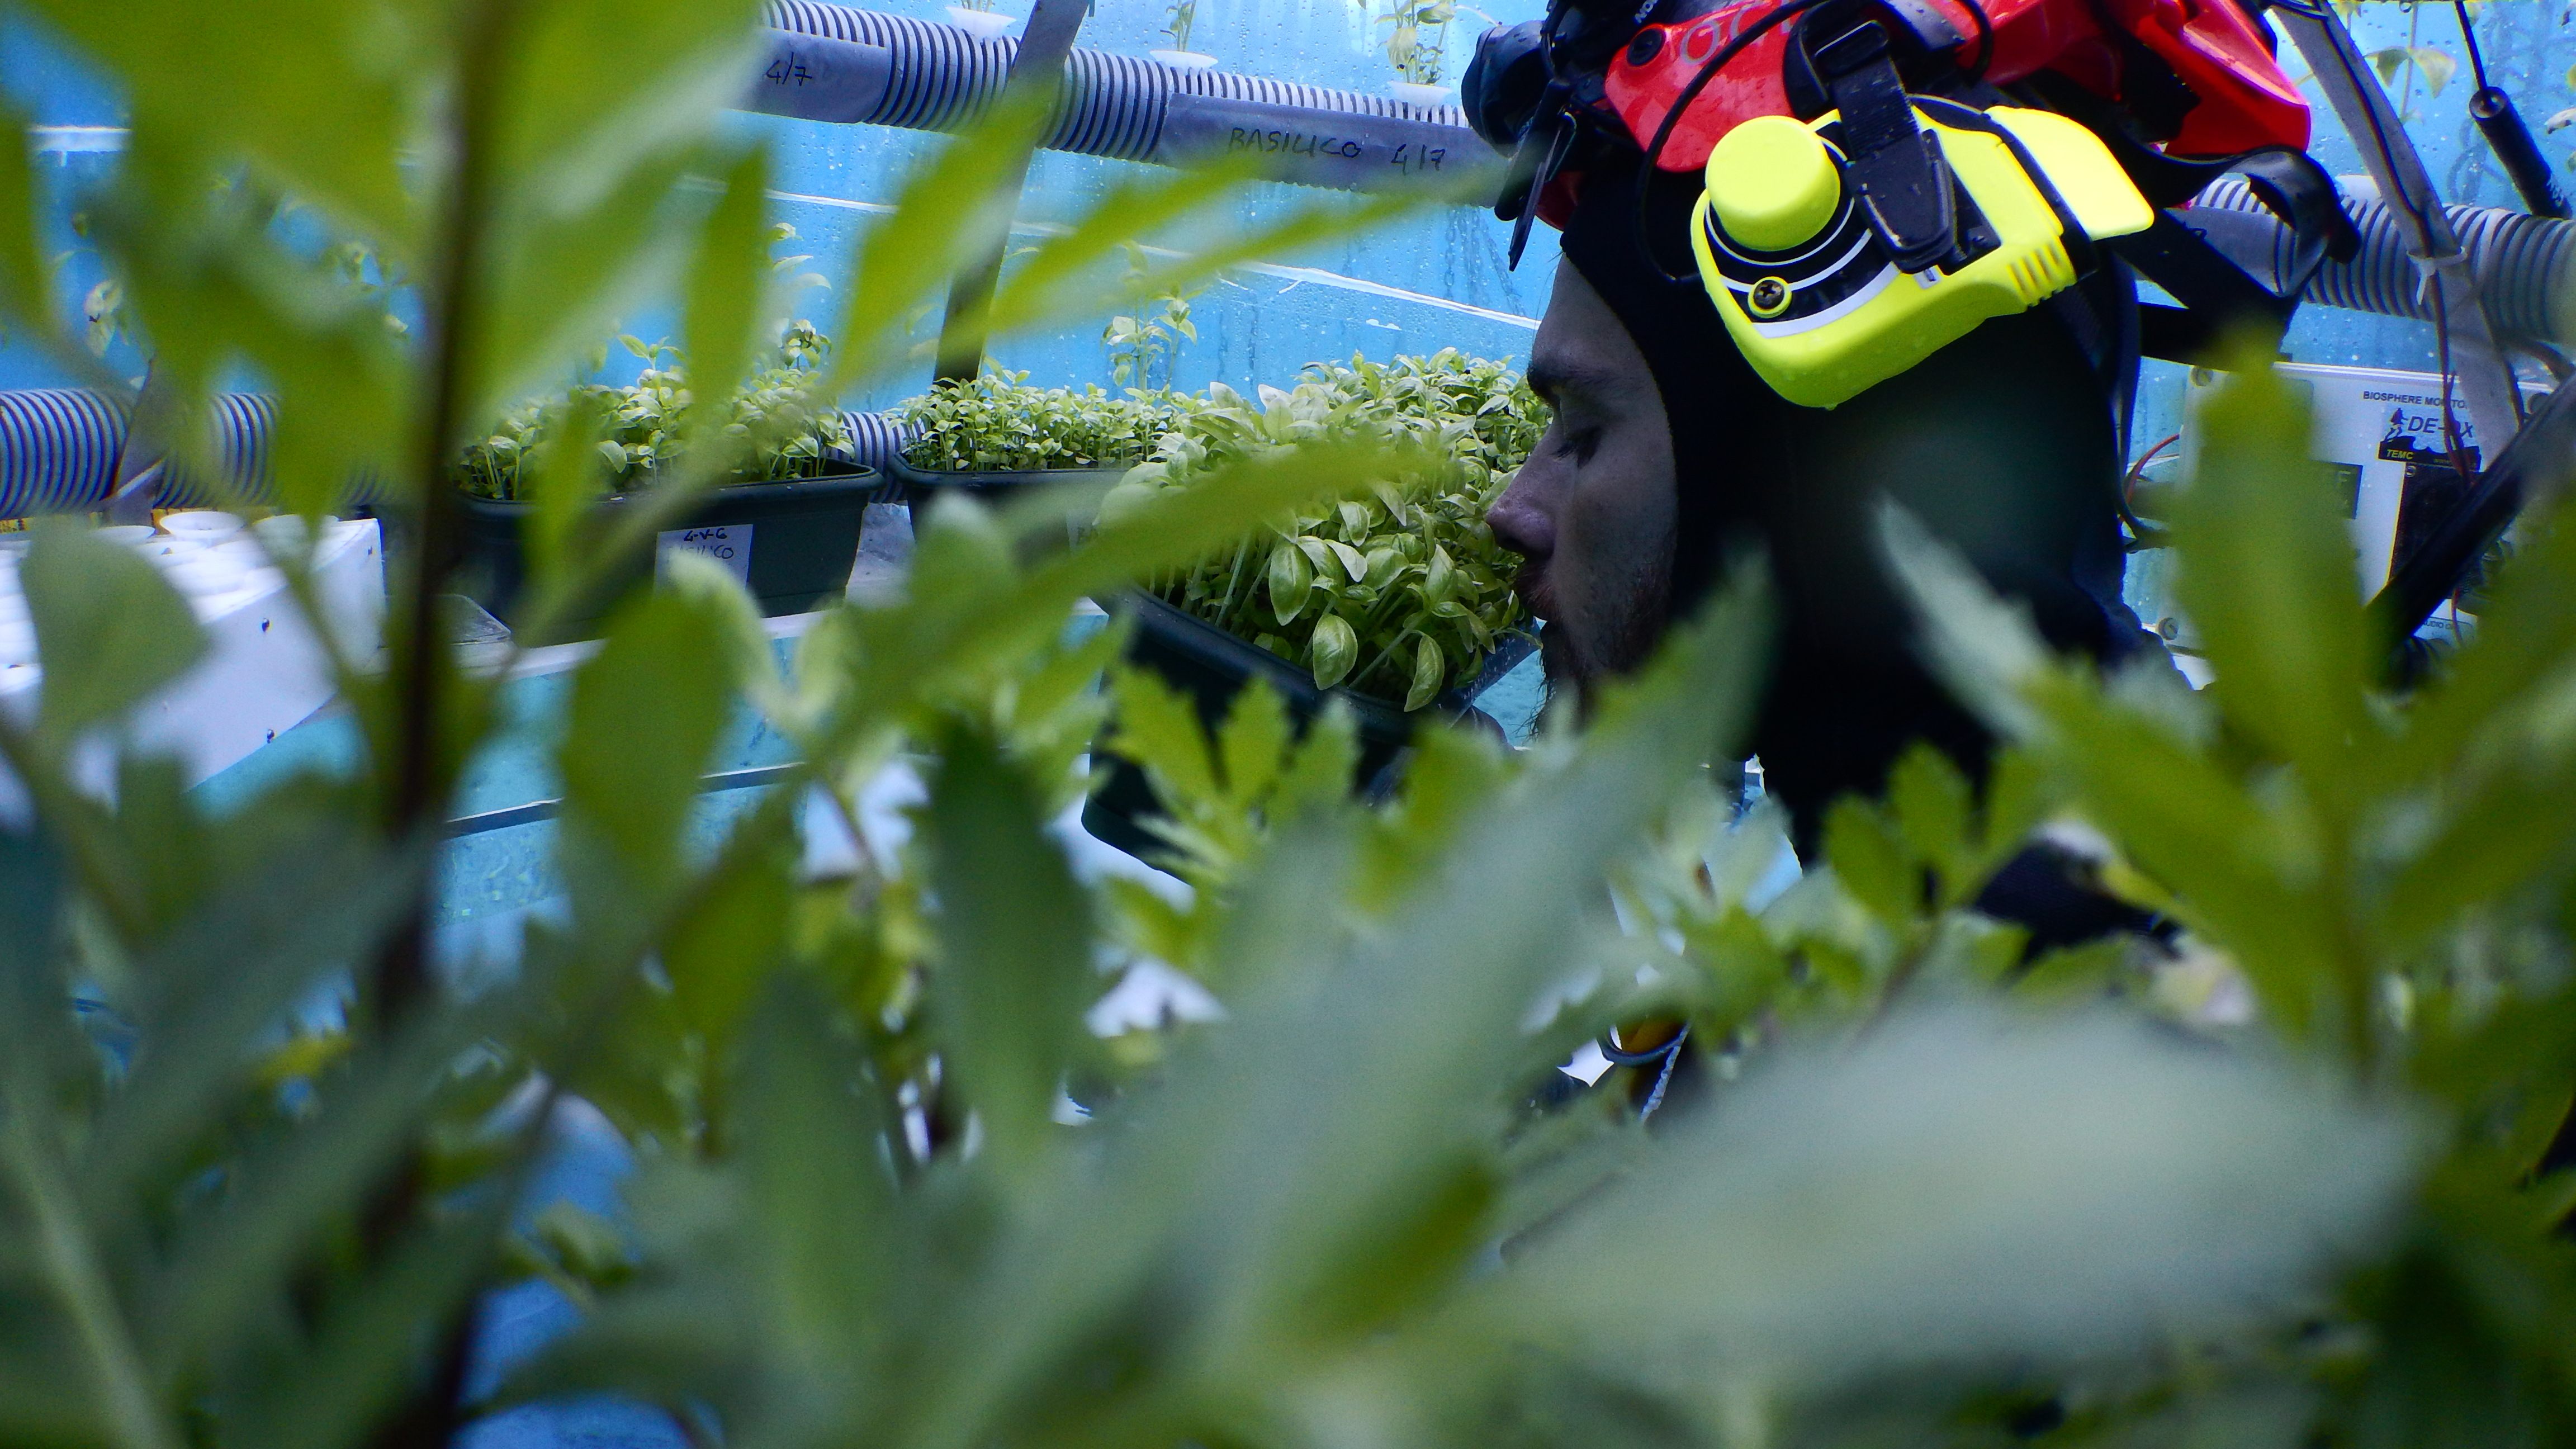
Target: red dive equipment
(1960,159)
(2201,67)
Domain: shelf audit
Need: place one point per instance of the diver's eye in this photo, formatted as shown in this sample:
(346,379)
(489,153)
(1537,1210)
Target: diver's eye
(1578,443)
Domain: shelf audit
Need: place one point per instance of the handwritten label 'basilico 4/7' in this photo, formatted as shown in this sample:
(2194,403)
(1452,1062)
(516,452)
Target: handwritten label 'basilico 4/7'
(728,544)
(1355,151)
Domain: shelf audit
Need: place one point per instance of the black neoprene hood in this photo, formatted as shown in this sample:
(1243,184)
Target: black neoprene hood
(2002,444)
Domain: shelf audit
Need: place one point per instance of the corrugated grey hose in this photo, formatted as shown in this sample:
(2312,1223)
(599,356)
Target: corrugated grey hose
(2525,265)
(58,449)
(1114,105)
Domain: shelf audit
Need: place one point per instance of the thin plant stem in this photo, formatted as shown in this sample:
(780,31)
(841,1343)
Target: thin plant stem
(1360,676)
(450,327)
(1233,580)
(400,982)
(72,1264)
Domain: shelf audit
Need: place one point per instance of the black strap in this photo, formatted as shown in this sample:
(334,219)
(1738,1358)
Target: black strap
(2293,187)
(1535,162)
(1576,45)
(1902,181)
(2287,181)
(2080,250)
(2218,299)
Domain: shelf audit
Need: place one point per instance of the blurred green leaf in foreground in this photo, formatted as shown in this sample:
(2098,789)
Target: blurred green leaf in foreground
(2383,878)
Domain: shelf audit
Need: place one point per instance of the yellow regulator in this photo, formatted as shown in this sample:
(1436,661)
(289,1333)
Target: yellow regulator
(1815,299)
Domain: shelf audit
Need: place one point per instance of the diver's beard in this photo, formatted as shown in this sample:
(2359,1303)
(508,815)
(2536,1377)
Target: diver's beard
(1573,665)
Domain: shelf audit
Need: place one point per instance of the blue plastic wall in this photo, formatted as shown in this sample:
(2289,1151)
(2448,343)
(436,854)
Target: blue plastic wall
(1252,327)
(1436,280)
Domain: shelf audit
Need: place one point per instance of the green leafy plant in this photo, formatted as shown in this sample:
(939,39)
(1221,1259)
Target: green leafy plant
(2381,878)
(1417,37)
(2431,63)
(998,423)
(639,433)
(1296,1202)
(1400,595)
(1181,15)
(103,309)
(1149,334)
(1228,793)
(232,1212)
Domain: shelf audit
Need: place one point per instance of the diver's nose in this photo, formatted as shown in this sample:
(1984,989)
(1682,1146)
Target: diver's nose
(1520,524)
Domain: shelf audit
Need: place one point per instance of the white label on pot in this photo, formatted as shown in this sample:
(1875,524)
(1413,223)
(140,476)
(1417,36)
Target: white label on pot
(727,543)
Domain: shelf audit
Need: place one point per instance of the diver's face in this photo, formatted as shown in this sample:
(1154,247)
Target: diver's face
(1591,512)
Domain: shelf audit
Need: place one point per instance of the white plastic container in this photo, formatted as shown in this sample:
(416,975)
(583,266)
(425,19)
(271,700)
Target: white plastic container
(202,525)
(129,533)
(982,24)
(248,558)
(204,573)
(263,671)
(161,548)
(285,535)
(1184,59)
(1414,93)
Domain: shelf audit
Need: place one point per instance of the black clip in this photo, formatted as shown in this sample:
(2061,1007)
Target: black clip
(1896,168)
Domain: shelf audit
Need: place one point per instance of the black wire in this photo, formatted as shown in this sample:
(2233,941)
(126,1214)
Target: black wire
(2424,226)
(2469,37)
(1708,68)
(1622,1057)
(1664,1078)
(1985,40)
(1707,71)
(2442,354)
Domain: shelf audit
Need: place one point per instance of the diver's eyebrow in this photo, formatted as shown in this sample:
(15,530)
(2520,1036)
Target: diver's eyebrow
(1553,377)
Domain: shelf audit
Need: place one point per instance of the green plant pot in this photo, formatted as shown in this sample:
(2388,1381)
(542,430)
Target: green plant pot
(1210,666)
(792,543)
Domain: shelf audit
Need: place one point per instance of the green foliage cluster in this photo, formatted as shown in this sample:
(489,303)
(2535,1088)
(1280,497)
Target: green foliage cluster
(225,1221)
(1148,335)
(777,422)
(2387,876)
(1928,1200)
(2378,886)
(1401,594)
(1417,37)
(998,423)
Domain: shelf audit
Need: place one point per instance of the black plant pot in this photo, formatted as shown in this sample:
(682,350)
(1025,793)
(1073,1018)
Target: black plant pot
(920,485)
(1210,666)
(792,542)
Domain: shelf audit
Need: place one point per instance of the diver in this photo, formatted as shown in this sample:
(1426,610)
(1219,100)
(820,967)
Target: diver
(1822,253)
